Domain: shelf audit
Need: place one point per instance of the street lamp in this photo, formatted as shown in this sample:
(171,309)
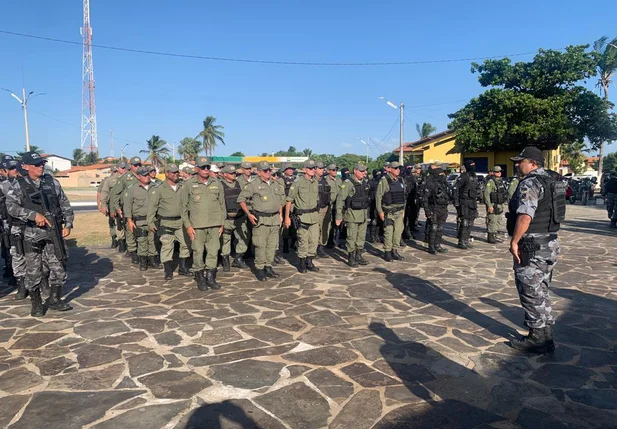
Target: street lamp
(366,144)
(402,118)
(122,151)
(173,150)
(24,105)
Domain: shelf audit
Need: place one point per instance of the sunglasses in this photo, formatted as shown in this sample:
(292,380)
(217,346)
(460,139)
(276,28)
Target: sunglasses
(205,167)
(136,165)
(267,171)
(310,168)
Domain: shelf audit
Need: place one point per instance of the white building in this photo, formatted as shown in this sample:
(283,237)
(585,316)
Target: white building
(57,162)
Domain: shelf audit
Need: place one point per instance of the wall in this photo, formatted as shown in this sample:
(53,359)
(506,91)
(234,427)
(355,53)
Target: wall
(82,179)
(59,164)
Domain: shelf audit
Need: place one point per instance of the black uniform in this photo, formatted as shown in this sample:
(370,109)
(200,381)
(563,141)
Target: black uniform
(289,233)
(411,208)
(375,224)
(435,200)
(466,201)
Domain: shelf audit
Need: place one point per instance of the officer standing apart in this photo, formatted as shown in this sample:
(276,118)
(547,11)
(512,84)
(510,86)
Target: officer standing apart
(354,199)
(466,194)
(324,205)
(536,211)
(435,199)
(166,211)
(44,253)
(118,191)
(390,201)
(266,215)
(304,195)
(495,196)
(235,223)
(203,215)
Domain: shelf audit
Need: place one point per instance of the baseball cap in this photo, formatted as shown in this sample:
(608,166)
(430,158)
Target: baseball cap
(395,164)
(32,158)
(151,168)
(359,167)
(263,165)
(386,164)
(286,166)
(319,164)
(5,159)
(214,168)
(246,164)
(135,160)
(229,169)
(188,170)
(309,163)
(202,161)
(497,169)
(530,152)
(172,168)
(332,167)
(13,163)
(114,168)
(121,164)
(143,171)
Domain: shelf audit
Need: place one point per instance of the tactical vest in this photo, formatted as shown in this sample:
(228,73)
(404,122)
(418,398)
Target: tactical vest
(396,192)
(288,182)
(500,196)
(360,199)
(32,197)
(611,185)
(470,190)
(324,189)
(441,197)
(231,197)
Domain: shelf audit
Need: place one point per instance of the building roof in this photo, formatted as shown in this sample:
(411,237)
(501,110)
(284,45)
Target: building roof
(414,146)
(87,168)
(47,155)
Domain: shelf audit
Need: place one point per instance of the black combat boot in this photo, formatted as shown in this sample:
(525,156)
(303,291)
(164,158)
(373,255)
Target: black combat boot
(38,310)
(278,258)
(22,293)
(310,266)
(271,273)
(54,302)
(352,261)
(200,280)
(114,242)
(143,263)
(134,258)
(321,253)
(154,262)
(491,238)
(183,267)
(360,259)
(462,244)
(169,270)
(397,256)
(539,340)
(226,263)
(387,256)
(211,279)
(432,241)
(302,266)
(371,233)
(438,246)
(238,262)
(121,246)
(613,223)
(261,274)
(285,245)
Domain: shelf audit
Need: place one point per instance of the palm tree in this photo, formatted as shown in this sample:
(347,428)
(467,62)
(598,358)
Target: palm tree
(189,148)
(574,154)
(425,130)
(307,152)
(211,134)
(156,151)
(33,148)
(78,156)
(607,66)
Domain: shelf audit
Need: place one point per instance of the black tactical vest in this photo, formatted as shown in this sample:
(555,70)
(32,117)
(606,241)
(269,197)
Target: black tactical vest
(32,198)
(441,197)
(396,193)
(288,182)
(360,199)
(324,189)
(611,185)
(500,196)
(469,191)
(231,197)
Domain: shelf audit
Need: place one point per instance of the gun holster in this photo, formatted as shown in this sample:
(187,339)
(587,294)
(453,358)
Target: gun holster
(528,248)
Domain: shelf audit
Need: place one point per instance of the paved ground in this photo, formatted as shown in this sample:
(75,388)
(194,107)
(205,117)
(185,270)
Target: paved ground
(412,345)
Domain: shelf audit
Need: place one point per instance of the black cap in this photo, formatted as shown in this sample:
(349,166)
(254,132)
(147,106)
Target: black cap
(530,152)
(32,158)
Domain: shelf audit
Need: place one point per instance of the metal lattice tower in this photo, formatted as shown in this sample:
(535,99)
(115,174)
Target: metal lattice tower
(89,139)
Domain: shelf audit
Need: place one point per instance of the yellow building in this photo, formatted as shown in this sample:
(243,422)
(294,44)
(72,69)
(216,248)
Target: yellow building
(440,147)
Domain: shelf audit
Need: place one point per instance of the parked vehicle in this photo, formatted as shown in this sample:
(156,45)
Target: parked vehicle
(94,184)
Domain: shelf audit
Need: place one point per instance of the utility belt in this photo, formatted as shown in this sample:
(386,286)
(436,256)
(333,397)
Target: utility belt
(168,217)
(391,210)
(235,215)
(306,211)
(17,241)
(138,218)
(166,230)
(529,245)
(141,232)
(262,214)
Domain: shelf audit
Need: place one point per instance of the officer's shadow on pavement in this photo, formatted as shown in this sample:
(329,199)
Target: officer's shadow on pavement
(594,227)
(84,270)
(219,416)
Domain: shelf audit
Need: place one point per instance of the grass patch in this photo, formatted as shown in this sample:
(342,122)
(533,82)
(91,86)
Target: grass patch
(81,197)
(90,229)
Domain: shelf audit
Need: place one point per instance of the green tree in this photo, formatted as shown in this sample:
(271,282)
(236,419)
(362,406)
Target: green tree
(78,156)
(307,152)
(539,103)
(574,154)
(238,154)
(211,135)
(425,130)
(91,158)
(189,148)
(33,148)
(156,150)
(348,160)
(607,66)
(609,163)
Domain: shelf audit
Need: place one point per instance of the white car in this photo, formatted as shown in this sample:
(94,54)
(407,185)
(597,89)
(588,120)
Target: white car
(94,184)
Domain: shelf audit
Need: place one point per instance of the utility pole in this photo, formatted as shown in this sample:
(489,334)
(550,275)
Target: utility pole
(111,143)
(23,101)
(402,119)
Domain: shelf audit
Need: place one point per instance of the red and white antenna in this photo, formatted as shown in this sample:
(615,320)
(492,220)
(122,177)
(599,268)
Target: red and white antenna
(89,139)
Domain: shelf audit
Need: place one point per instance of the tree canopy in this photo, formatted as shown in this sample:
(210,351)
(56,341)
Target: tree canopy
(539,103)
(189,148)
(211,134)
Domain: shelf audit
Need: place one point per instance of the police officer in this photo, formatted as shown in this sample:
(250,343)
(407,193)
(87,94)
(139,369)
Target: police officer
(5,228)
(536,211)
(609,191)
(466,194)
(117,234)
(290,234)
(203,215)
(118,191)
(154,181)
(186,173)
(26,202)
(165,220)
(136,207)
(435,199)
(352,207)
(266,215)
(304,195)
(335,186)
(105,210)
(246,174)
(325,208)
(235,223)
(374,219)
(495,196)
(409,220)
(390,205)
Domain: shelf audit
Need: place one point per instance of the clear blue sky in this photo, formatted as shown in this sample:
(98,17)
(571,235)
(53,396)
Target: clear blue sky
(267,107)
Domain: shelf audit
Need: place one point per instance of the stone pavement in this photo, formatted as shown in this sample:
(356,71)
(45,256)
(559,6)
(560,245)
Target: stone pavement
(419,344)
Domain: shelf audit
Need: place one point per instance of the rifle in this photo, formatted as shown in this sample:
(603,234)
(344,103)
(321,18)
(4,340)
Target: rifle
(55,231)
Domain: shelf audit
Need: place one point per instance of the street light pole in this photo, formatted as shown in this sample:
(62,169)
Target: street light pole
(402,125)
(24,105)
(122,151)
(365,144)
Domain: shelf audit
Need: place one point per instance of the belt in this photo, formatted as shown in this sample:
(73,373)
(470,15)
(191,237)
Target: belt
(136,218)
(234,215)
(255,212)
(301,211)
(169,217)
(393,209)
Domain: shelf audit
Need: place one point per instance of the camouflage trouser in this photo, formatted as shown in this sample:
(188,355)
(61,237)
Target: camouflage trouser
(41,260)
(533,281)
(611,206)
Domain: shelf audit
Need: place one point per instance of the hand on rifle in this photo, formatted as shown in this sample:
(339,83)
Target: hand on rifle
(41,220)
(252,219)
(66,232)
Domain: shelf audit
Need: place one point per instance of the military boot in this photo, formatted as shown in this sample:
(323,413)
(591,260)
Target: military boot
(396,256)
(121,246)
(438,246)
(371,234)
(22,293)
(462,244)
(261,274)
(183,267)
(491,238)
(54,302)
(432,241)
(360,259)
(238,262)
(153,262)
(285,245)
(114,242)
(200,280)
(169,270)
(352,260)
(226,263)
(302,266)
(134,258)
(321,253)
(278,259)
(38,310)
(310,266)
(143,263)
(387,256)
(211,279)
(539,340)
(271,273)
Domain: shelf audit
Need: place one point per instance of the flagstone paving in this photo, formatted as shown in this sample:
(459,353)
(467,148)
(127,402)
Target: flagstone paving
(417,344)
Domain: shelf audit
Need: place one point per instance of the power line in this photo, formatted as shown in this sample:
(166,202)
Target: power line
(253,61)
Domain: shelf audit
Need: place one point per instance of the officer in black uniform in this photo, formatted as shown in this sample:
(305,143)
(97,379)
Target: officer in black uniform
(289,234)
(411,208)
(373,226)
(435,200)
(465,199)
